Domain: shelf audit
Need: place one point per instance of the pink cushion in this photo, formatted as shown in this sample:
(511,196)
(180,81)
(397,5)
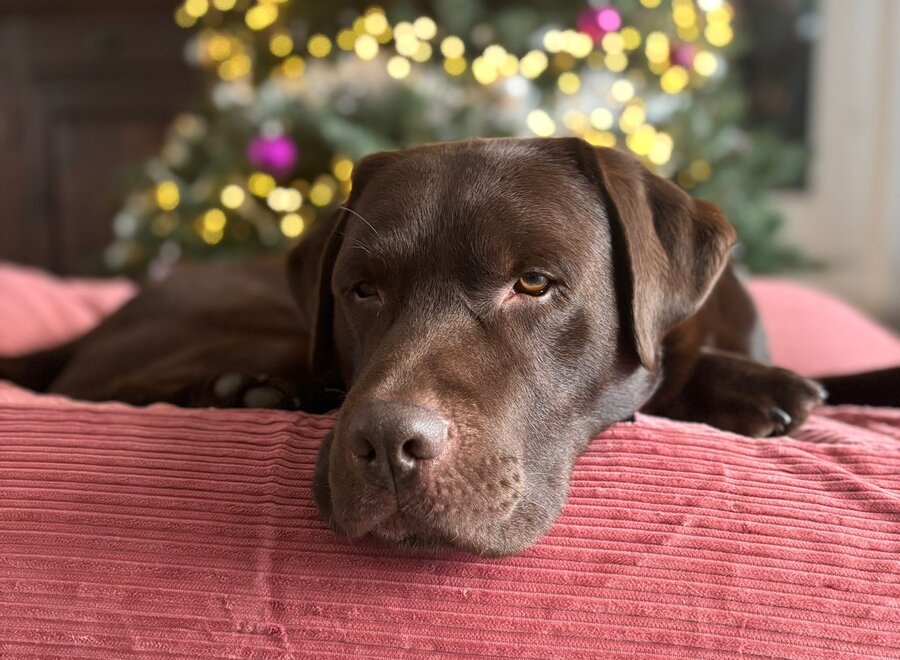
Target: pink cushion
(192,533)
(40,310)
(186,533)
(817,335)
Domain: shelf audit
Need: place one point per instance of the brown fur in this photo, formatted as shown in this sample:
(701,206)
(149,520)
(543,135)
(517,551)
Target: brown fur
(644,314)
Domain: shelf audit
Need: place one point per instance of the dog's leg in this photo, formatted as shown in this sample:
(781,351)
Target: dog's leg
(37,371)
(735,393)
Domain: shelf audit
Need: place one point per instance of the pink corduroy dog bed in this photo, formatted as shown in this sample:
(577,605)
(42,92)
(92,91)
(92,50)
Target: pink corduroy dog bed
(172,533)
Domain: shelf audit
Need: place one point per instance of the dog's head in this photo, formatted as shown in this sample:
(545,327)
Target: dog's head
(489,306)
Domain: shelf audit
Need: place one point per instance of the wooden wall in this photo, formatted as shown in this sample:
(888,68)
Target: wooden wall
(85,87)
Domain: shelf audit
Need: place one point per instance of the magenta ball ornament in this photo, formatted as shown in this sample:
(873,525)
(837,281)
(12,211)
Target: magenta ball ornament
(596,22)
(276,155)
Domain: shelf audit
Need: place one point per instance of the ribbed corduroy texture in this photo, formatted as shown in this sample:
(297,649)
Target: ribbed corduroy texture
(191,534)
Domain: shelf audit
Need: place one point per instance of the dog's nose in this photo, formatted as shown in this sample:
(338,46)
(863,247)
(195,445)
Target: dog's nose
(395,439)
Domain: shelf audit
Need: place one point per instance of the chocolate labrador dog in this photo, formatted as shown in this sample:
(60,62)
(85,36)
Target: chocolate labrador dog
(481,310)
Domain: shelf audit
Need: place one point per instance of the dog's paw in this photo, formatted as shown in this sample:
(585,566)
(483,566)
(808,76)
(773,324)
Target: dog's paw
(236,390)
(739,395)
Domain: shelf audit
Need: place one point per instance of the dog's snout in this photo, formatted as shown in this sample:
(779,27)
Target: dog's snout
(395,439)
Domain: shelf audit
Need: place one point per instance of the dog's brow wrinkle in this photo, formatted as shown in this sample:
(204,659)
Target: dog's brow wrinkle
(349,210)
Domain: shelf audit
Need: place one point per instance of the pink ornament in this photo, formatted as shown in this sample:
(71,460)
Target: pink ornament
(683,55)
(596,22)
(587,23)
(277,156)
(609,19)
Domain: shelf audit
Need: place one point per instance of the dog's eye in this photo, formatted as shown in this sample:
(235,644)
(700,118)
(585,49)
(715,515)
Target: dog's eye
(532,284)
(363,290)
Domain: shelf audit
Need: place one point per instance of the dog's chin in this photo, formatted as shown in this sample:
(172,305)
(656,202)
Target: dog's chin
(404,526)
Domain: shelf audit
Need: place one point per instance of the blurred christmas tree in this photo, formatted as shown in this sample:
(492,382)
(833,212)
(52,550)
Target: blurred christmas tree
(300,89)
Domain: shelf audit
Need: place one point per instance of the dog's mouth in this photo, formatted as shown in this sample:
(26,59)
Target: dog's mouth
(484,516)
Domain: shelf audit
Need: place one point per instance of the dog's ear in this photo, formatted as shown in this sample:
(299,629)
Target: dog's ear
(675,247)
(310,268)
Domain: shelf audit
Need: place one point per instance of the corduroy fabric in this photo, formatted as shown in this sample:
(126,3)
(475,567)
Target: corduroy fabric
(174,533)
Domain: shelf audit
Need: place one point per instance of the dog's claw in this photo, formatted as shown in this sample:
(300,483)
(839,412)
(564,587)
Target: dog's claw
(227,385)
(264,397)
(782,420)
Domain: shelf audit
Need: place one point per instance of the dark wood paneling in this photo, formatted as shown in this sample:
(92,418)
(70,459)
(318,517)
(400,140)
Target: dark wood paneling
(85,88)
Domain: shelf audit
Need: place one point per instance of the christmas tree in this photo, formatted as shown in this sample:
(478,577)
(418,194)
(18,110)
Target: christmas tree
(299,90)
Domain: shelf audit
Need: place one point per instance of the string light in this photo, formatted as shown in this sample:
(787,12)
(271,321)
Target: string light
(375,23)
(600,138)
(425,28)
(293,67)
(705,63)
(455,66)
(484,72)
(700,170)
(452,47)
(616,62)
(576,121)
(553,41)
(641,140)
(540,123)
(322,191)
(631,38)
(613,43)
(183,19)
(622,91)
(684,16)
(342,168)
(346,39)
(319,45)
(719,34)
(657,47)
(261,16)
(232,196)
(602,119)
(631,118)
(398,67)
(214,221)
(406,44)
(284,199)
(564,55)
(366,47)
(235,67)
(167,195)
(196,8)
(569,83)
(219,47)
(281,44)
(674,80)
(533,64)
(661,151)
(292,225)
(423,52)
(261,184)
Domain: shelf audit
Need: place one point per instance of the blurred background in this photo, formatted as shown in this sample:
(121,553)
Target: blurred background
(137,134)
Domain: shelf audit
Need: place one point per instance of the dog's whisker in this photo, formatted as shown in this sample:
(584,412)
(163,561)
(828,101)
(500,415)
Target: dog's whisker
(360,246)
(371,226)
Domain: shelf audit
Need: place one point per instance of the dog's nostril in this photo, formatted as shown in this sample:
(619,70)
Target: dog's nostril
(363,449)
(424,447)
(396,438)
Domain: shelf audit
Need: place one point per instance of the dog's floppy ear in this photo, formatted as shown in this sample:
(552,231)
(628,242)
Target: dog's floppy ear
(310,269)
(310,266)
(675,246)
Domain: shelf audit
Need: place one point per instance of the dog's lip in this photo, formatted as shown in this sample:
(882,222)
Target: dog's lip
(367,524)
(394,525)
